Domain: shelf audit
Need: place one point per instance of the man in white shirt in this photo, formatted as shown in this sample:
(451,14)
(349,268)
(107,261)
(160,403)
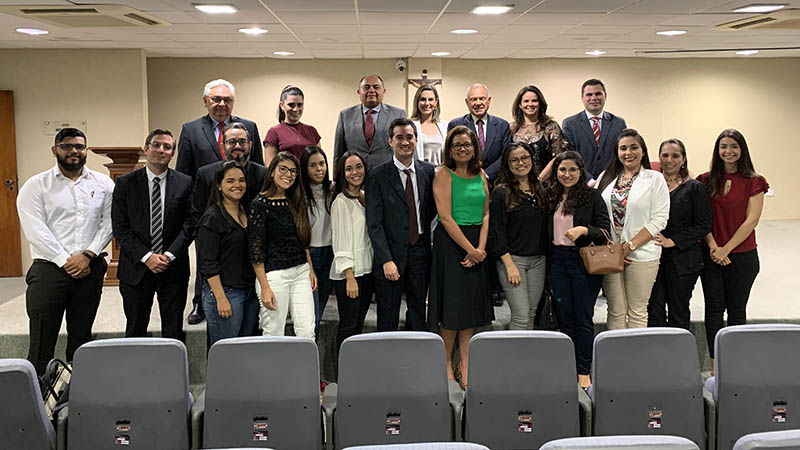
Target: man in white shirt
(65,214)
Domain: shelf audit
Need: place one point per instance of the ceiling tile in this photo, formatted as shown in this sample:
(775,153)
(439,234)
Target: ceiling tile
(582,6)
(318,18)
(305,5)
(431,6)
(540,18)
(399,19)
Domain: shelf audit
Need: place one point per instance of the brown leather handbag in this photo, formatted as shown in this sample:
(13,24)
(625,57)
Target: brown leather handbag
(603,259)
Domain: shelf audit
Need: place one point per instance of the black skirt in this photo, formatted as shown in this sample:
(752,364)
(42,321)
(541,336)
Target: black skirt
(460,297)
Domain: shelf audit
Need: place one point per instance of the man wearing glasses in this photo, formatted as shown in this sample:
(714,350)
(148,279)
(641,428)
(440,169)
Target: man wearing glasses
(201,143)
(64,213)
(150,219)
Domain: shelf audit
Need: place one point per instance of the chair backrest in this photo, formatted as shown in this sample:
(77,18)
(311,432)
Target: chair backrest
(23,420)
(647,381)
(757,380)
(622,443)
(423,446)
(392,389)
(772,440)
(522,389)
(129,392)
(264,387)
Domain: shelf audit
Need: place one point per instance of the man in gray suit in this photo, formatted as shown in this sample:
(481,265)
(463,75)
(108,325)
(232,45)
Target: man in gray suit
(593,132)
(363,127)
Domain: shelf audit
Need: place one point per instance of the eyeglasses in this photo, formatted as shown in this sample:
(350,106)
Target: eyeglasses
(235,142)
(459,146)
(167,147)
(523,160)
(68,147)
(218,100)
(283,170)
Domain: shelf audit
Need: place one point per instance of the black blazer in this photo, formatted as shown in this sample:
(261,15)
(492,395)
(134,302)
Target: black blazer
(130,222)
(254,176)
(498,135)
(592,215)
(577,131)
(387,212)
(197,145)
(689,222)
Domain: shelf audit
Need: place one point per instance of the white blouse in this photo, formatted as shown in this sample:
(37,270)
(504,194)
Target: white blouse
(352,248)
(320,220)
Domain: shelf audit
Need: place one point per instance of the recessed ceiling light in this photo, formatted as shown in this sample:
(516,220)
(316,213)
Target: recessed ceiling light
(253,31)
(671,32)
(491,9)
(464,31)
(32,31)
(440,53)
(283,53)
(596,53)
(759,8)
(215,9)
(747,52)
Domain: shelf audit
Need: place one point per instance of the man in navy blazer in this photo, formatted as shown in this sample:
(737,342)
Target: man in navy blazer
(595,143)
(150,220)
(400,233)
(493,132)
(201,144)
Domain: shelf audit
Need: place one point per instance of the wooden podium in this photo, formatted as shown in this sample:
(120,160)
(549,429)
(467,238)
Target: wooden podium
(123,160)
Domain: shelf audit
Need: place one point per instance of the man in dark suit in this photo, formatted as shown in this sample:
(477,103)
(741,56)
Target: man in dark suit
(363,127)
(201,144)
(400,209)
(493,132)
(593,132)
(149,217)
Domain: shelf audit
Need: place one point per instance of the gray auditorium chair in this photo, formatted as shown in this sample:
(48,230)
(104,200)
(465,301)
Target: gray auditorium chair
(634,442)
(522,390)
(392,389)
(131,393)
(757,383)
(23,420)
(647,382)
(423,446)
(264,387)
(770,440)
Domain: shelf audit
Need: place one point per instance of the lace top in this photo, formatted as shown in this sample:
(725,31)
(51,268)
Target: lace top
(545,143)
(273,236)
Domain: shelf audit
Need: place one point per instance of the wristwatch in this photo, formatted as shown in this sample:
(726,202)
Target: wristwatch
(631,245)
(87,254)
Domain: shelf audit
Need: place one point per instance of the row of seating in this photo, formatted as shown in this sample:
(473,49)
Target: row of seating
(264,391)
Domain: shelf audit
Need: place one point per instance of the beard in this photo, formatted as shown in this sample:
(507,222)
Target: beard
(71,167)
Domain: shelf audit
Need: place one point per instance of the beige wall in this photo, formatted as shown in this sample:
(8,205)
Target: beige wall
(104,87)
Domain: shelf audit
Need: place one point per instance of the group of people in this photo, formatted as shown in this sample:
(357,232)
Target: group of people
(438,214)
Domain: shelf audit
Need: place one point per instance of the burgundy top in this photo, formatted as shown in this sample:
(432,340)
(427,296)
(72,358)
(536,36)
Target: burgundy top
(728,212)
(292,138)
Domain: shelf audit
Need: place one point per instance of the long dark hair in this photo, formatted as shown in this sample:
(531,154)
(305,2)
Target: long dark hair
(554,191)
(310,151)
(514,197)
(295,196)
(684,170)
(744,166)
(215,198)
(519,117)
(615,167)
(474,166)
(287,91)
(340,184)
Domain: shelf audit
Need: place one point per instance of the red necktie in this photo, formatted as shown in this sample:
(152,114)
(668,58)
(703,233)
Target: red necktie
(221,127)
(413,228)
(596,129)
(369,128)
(481,136)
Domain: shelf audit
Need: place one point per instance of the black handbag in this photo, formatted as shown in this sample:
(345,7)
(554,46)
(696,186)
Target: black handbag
(546,316)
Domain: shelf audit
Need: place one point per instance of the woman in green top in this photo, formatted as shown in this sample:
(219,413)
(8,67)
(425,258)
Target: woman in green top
(460,298)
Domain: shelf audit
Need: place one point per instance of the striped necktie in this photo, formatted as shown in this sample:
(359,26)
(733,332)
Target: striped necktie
(596,129)
(156,222)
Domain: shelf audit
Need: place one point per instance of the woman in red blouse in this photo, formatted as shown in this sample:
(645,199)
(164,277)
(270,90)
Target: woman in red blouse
(731,263)
(290,135)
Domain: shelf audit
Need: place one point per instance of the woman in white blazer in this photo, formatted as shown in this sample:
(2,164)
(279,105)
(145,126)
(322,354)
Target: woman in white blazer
(637,199)
(431,132)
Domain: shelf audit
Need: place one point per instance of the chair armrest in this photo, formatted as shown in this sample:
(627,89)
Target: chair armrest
(710,410)
(329,397)
(61,428)
(198,411)
(585,411)
(457,408)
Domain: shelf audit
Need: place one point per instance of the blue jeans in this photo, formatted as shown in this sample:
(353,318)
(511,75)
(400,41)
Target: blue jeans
(321,260)
(244,317)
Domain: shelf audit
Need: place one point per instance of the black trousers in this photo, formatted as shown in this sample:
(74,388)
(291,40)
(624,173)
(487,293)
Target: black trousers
(137,301)
(669,300)
(197,299)
(353,311)
(727,288)
(52,292)
(414,280)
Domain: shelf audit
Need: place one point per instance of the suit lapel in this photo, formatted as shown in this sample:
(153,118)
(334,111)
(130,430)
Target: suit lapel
(357,119)
(422,185)
(380,122)
(395,181)
(604,127)
(586,127)
(489,130)
(208,130)
(470,123)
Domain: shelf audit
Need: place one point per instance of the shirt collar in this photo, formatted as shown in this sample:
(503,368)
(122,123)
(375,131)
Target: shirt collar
(376,109)
(590,115)
(58,174)
(216,124)
(401,167)
(151,175)
(475,118)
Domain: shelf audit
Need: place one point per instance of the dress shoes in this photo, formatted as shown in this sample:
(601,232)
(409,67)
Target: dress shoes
(197,315)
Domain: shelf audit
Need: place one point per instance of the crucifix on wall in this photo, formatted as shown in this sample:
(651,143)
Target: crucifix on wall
(425,81)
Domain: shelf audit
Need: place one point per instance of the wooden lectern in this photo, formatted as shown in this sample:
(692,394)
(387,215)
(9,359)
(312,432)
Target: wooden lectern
(123,160)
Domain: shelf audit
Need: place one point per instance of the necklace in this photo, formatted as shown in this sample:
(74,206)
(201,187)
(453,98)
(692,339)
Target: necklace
(623,183)
(673,179)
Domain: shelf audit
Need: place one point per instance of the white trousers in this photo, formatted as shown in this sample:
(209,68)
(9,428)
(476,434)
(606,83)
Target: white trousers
(292,289)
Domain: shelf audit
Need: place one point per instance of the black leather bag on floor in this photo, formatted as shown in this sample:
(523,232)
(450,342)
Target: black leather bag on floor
(546,318)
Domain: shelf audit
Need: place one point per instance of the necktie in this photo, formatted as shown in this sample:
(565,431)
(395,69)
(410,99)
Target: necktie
(481,136)
(369,127)
(596,129)
(221,127)
(155,223)
(413,228)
